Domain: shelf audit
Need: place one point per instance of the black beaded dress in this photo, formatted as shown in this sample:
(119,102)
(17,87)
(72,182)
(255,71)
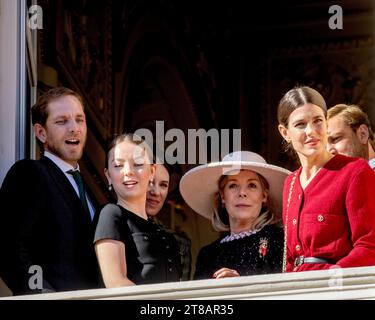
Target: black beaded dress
(257,253)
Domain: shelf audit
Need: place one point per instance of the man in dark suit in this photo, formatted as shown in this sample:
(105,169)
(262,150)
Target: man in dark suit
(46,222)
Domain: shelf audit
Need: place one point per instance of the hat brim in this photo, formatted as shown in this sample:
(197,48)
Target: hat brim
(199,185)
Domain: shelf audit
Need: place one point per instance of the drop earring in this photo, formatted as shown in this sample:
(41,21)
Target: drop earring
(110,187)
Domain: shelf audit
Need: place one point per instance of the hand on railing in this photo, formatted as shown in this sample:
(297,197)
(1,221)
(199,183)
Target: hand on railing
(225,273)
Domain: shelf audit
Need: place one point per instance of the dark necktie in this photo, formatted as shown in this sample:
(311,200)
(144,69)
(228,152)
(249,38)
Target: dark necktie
(82,194)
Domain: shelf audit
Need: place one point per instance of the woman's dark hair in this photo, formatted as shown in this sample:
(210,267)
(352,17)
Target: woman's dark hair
(296,98)
(130,137)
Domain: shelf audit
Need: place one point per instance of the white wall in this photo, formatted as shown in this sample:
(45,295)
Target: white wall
(9,70)
(9,91)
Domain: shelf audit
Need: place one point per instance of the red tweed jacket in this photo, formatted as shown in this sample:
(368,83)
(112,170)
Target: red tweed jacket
(334,217)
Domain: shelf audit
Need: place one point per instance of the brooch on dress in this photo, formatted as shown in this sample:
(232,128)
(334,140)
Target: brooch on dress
(263,246)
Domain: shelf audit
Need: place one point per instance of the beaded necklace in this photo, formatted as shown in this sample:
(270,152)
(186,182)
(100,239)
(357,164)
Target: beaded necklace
(240,235)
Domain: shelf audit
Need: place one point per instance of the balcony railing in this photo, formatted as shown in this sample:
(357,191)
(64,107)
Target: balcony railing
(351,283)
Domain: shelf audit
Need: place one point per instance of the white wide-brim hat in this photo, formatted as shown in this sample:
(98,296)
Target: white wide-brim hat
(199,185)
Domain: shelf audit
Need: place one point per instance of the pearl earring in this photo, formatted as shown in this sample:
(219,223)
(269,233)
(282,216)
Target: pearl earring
(110,187)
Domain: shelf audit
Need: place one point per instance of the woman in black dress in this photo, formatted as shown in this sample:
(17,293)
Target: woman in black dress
(242,197)
(156,196)
(131,249)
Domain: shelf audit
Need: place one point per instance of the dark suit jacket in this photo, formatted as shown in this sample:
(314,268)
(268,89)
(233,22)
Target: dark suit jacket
(43,223)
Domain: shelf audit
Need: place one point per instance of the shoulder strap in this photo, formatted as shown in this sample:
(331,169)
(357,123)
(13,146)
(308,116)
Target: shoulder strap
(286,220)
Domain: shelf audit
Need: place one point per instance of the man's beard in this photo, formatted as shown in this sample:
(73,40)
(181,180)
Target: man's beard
(63,154)
(358,150)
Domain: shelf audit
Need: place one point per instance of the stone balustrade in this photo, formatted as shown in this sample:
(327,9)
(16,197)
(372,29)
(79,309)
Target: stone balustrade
(350,283)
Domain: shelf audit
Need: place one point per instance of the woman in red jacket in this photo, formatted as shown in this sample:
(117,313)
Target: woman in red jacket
(328,208)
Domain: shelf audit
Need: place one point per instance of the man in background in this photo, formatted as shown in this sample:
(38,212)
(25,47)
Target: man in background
(350,132)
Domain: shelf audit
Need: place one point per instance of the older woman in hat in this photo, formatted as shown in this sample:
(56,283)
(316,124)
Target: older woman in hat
(242,196)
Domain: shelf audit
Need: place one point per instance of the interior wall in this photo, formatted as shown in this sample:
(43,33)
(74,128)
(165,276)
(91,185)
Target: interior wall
(8,83)
(9,32)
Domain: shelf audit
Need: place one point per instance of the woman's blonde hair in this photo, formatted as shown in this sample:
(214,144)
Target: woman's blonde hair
(220,217)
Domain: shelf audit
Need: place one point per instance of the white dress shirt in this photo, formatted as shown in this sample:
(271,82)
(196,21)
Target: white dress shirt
(372,163)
